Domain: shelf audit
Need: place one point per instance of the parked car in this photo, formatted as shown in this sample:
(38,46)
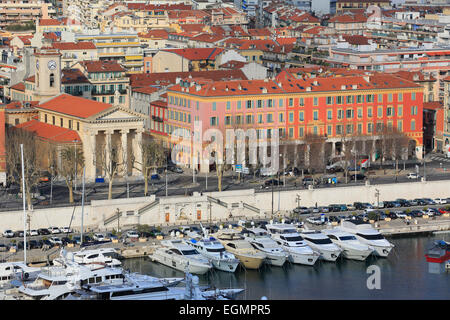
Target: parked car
(99,237)
(440,200)
(413,203)
(175,169)
(324,209)
(32,233)
(132,234)
(155,177)
(429,201)
(66,230)
(430,212)
(109,237)
(308,181)
(420,202)
(3,247)
(358,176)
(335,207)
(442,210)
(343,207)
(313,210)
(18,233)
(301,210)
(66,240)
(415,213)
(43,232)
(412,175)
(45,244)
(351,207)
(55,240)
(54,230)
(367,205)
(8,233)
(271,182)
(403,202)
(392,215)
(358,205)
(33,244)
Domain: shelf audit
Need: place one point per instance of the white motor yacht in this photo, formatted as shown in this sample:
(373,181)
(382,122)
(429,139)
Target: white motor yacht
(17,270)
(261,240)
(141,287)
(365,233)
(321,243)
(212,249)
(178,255)
(92,257)
(289,239)
(351,247)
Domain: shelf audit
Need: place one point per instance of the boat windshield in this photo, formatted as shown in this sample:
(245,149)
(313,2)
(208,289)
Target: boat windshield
(215,249)
(344,238)
(321,241)
(189,252)
(294,238)
(371,236)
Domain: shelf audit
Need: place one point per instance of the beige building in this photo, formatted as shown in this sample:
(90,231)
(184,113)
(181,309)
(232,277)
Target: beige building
(102,128)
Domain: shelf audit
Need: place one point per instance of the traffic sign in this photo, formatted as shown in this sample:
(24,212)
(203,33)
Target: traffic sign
(239,168)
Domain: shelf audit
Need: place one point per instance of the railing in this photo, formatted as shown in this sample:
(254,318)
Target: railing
(110,219)
(250,207)
(217,201)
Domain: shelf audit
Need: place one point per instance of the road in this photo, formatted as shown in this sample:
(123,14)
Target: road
(436,168)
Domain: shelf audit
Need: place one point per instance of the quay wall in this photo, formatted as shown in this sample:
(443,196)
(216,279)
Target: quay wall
(213,205)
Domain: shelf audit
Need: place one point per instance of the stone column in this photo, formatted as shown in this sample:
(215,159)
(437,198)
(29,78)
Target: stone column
(93,143)
(323,152)
(373,149)
(333,149)
(137,150)
(295,155)
(308,149)
(108,135)
(124,136)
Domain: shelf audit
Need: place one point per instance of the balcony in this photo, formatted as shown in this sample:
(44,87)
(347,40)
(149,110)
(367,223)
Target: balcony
(107,92)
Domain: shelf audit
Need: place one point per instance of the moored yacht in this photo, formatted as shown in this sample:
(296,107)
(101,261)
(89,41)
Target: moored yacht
(365,233)
(321,243)
(261,240)
(234,242)
(215,252)
(351,247)
(289,239)
(17,270)
(103,256)
(178,255)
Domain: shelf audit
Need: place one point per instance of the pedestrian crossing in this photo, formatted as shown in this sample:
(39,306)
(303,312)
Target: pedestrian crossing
(440,158)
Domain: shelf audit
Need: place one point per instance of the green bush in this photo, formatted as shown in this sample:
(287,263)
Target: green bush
(387,212)
(408,210)
(29,25)
(425,208)
(143,228)
(372,215)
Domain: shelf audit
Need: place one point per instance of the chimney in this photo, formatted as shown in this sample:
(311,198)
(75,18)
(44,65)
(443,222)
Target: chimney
(415,77)
(343,87)
(308,88)
(367,78)
(177,80)
(264,90)
(315,82)
(354,86)
(198,87)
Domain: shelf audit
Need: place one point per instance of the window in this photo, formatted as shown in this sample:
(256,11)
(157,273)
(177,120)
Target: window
(349,99)
(315,101)
(213,121)
(281,117)
(259,103)
(359,128)
(380,97)
(369,127)
(260,118)
(340,114)
(315,115)
(269,118)
(249,119)
(238,105)
(390,97)
(329,130)
(413,96)
(239,119)
(349,128)
(400,111)
(291,132)
(291,117)
(228,105)
(349,114)
(270,103)
(227,120)
(53,120)
(369,112)
(413,110)
(400,125)
(61,120)
(369,98)
(329,100)
(301,102)
(301,116)
(360,113)
(70,124)
(214,106)
(329,114)
(359,99)
(16,121)
(300,132)
(280,103)
(339,100)
(400,97)
(52,80)
(380,112)
(390,111)
(291,102)
(413,125)
(249,104)
(45,118)
(379,126)
(339,129)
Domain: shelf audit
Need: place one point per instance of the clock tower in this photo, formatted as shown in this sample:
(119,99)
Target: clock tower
(48,73)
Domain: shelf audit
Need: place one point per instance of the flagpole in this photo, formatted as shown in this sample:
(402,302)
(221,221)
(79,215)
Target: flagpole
(82,209)
(24,209)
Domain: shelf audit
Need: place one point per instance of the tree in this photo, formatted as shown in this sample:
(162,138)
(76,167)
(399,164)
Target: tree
(315,156)
(153,156)
(31,154)
(110,162)
(72,160)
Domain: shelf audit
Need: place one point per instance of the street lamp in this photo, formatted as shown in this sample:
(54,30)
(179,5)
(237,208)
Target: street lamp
(75,178)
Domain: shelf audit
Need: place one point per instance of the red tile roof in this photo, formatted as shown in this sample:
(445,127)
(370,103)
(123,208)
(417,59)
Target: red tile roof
(74,106)
(196,53)
(50,132)
(83,45)
(157,33)
(349,18)
(70,76)
(49,22)
(413,76)
(233,64)
(101,66)
(146,90)
(432,105)
(18,86)
(355,39)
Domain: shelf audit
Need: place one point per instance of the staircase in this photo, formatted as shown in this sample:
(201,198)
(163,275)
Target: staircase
(217,201)
(251,208)
(148,207)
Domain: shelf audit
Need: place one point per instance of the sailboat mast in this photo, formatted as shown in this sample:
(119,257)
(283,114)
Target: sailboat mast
(82,208)
(24,209)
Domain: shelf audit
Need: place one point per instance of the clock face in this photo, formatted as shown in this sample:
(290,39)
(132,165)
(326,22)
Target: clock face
(37,64)
(52,65)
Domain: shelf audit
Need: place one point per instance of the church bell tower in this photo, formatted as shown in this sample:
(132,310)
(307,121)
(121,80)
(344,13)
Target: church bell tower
(48,73)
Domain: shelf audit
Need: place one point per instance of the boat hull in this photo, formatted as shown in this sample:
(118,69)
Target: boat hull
(181,265)
(223,265)
(308,259)
(249,262)
(353,254)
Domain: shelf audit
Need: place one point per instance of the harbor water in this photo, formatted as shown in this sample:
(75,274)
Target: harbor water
(403,275)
